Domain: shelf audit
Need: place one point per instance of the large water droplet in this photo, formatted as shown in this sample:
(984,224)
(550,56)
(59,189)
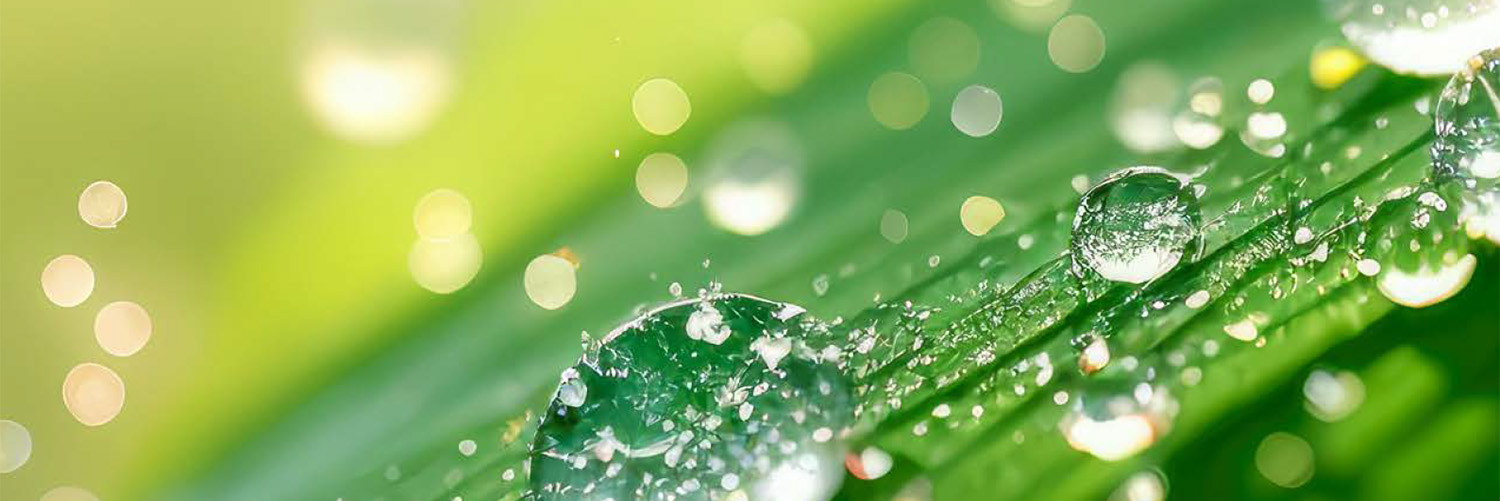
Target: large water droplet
(1424,37)
(699,398)
(1467,146)
(1136,225)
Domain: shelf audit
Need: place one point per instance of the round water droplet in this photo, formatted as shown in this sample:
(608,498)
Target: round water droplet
(1423,37)
(658,410)
(1136,225)
(1467,125)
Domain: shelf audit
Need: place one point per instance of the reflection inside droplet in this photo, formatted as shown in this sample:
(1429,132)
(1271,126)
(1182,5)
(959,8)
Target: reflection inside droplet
(1428,285)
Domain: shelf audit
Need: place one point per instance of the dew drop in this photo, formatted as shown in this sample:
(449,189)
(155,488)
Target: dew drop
(1408,36)
(1466,150)
(1136,225)
(1285,459)
(701,364)
(1430,284)
(1332,396)
(898,100)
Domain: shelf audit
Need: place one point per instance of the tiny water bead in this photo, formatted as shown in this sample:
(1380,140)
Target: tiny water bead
(1466,148)
(980,214)
(698,399)
(1423,37)
(1136,225)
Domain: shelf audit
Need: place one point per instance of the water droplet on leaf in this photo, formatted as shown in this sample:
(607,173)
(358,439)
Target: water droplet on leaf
(1136,225)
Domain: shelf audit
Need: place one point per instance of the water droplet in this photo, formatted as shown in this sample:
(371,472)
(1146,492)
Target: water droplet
(1136,225)
(697,363)
(1243,330)
(1466,150)
(122,328)
(661,106)
(820,284)
(661,179)
(468,447)
(93,394)
(1429,284)
(15,446)
(977,111)
(102,204)
(1408,37)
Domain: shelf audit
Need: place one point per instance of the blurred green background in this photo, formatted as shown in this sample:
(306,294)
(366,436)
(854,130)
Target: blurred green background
(270,221)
